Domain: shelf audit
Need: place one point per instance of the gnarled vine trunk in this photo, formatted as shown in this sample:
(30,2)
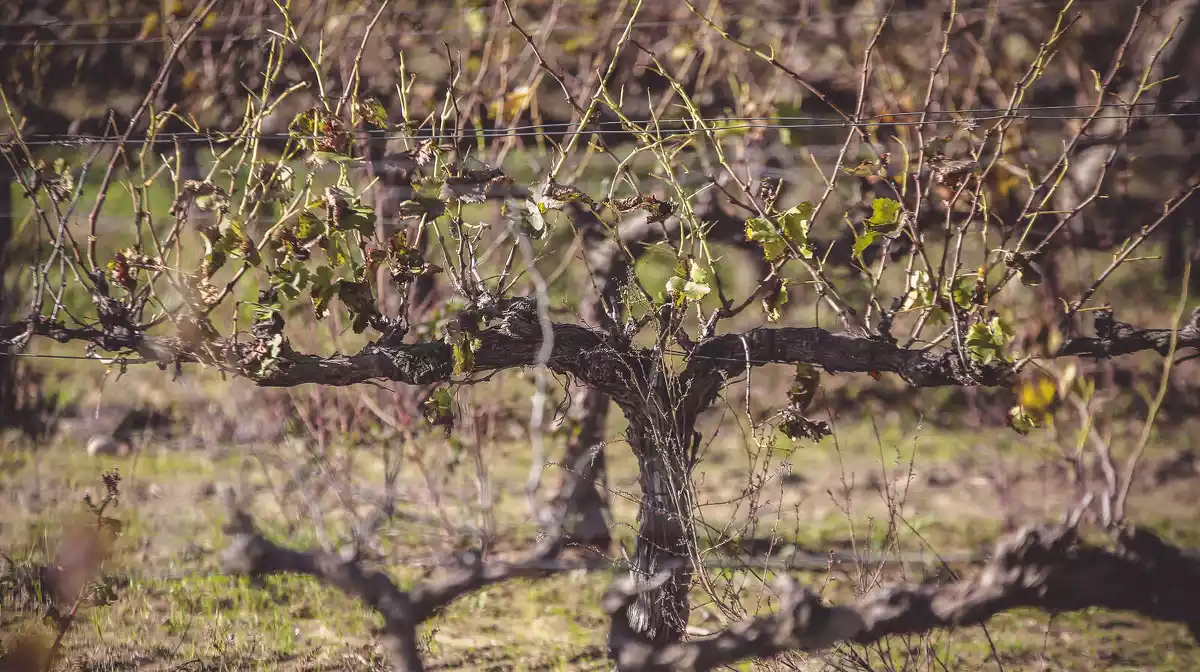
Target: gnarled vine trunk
(665,448)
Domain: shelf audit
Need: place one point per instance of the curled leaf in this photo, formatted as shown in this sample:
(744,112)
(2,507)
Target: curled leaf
(786,236)
(773,302)
(554,196)
(1020,420)
(372,112)
(438,409)
(885,214)
(345,212)
(1024,264)
(273,182)
(471,186)
(690,283)
(795,426)
(986,341)
(319,132)
(204,195)
(529,218)
(657,210)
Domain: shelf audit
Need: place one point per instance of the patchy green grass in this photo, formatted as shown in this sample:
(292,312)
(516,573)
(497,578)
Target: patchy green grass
(167,605)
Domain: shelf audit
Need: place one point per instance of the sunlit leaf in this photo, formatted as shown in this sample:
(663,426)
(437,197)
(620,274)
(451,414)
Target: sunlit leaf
(962,290)
(861,243)
(885,214)
(690,283)
(554,196)
(373,112)
(529,218)
(439,409)
(986,342)
(788,233)
(773,303)
(1020,420)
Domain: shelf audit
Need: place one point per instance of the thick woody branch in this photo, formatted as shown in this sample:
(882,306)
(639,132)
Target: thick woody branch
(578,351)
(723,357)
(588,355)
(250,553)
(430,598)
(728,355)
(1042,568)
(253,554)
(1117,338)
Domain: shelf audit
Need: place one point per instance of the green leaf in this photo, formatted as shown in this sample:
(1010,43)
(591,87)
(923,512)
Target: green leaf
(318,131)
(861,243)
(690,283)
(373,112)
(777,240)
(921,294)
(347,213)
(235,241)
(214,258)
(1021,421)
(334,246)
(774,302)
(464,349)
(359,218)
(324,286)
(308,227)
(986,341)
(290,279)
(963,291)
(885,213)
(439,409)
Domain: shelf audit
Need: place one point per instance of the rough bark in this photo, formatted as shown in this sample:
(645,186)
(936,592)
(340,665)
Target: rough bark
(665,539)
(617,370)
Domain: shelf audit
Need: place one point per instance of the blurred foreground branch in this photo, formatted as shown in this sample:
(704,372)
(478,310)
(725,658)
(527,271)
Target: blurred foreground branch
(1043,568)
